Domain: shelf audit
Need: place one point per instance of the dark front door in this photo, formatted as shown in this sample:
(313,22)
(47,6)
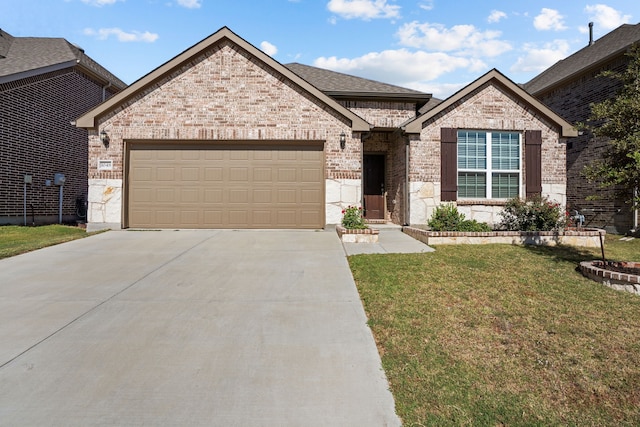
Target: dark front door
(374,186)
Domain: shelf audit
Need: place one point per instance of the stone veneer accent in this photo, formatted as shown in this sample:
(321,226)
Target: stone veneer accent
(339,194)
(104,204)
(589,238)
(488,108)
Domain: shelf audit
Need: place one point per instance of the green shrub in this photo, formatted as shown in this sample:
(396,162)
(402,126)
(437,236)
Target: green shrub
(447,218)
(352,218)
(534,214)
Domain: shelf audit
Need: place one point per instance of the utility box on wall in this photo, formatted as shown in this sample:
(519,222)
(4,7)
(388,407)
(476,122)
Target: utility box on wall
(59,179)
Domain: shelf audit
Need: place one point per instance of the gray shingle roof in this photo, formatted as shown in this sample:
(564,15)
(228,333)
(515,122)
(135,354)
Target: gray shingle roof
(603,50)
(335,84)
(20,56)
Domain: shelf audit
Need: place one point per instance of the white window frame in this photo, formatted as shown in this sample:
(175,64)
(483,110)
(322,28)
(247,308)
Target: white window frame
(489,171)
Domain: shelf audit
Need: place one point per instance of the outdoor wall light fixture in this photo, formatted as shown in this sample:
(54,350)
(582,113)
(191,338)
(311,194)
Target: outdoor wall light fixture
(104,137)
(343,140)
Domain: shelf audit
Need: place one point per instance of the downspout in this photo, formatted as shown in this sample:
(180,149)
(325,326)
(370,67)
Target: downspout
(635,211)
(363,137)
(407,158)
(104,91)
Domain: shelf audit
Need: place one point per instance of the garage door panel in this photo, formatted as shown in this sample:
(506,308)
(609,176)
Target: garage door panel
(165,174)
(169,155)
(190,174)
(213,174)
(239,154)
(262,196)
(262,175)
(213,195)
(212,218)
(287,174)
(142,174)
(165,195)
(189,218)
(238,218)
(189,195)
(239,196)
(262,218)
(310,196)
(209,186)
(239,174)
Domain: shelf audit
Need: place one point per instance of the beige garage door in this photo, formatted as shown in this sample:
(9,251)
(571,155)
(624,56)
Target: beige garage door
(215,186)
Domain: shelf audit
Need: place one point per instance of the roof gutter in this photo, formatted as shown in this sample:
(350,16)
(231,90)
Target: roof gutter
(37,71)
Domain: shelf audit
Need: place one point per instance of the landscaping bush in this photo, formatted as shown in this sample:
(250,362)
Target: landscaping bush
(533,214)
(352,218)
(447,218)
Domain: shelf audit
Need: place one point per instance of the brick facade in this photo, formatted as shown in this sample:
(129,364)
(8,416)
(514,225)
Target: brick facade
(573,100)
(37,138)
(226,94)
(487,108)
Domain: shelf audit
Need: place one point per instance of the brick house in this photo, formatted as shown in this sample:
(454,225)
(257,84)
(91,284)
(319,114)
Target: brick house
(569,87)
(224,136)
(45,84)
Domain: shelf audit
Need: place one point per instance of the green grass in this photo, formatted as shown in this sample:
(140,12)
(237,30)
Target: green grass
(504,335)
(15,240)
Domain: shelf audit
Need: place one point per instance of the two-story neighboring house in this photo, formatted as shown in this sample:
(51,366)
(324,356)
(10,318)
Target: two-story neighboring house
(45,84)
(569,87)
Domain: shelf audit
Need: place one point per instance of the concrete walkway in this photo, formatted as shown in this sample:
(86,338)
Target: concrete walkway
(188,328)
(391,240)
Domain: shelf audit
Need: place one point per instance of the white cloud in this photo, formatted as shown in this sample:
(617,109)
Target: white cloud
(538,59)
(391,66)
(426,5)
(100,3)
(549,19)
(439,90)
(363,9)
(122,36)
(496,16)
(463,39)
(268,48)
(605,17)
(190,4)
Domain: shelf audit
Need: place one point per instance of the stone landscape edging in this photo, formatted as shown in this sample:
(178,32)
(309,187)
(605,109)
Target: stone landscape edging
(364,235)
(587,237)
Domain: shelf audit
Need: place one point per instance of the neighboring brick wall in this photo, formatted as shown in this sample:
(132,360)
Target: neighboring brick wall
(226,95)
(573,102)
(488,108)
(37,138)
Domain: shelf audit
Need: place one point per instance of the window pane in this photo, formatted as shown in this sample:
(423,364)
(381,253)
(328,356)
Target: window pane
(505,150)
(472,185)
(472,150)
(504,185)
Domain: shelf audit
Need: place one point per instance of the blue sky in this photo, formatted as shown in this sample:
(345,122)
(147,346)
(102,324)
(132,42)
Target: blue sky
(436,46)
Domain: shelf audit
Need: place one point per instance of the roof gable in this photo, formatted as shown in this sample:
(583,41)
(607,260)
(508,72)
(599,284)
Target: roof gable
(603,50)
(88,120)
(493,76)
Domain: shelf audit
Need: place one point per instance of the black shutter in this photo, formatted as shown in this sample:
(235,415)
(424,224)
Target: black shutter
(533,162)
(448,164)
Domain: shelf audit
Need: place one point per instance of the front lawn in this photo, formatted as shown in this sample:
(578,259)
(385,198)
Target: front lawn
(16,239)
(504,335)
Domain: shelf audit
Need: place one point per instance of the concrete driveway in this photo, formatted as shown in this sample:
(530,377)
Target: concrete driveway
(188,328)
